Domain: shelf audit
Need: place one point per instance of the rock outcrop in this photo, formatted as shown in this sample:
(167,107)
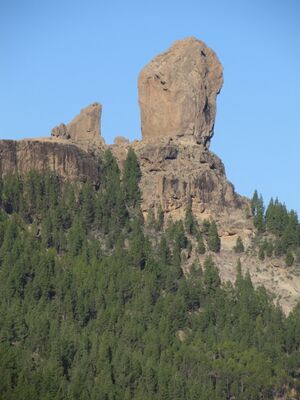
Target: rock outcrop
(72,151)
(177,92)
(66,160)
(84,130)
(175,173)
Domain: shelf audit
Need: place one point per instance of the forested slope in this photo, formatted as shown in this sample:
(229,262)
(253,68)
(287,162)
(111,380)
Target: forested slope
(94,303)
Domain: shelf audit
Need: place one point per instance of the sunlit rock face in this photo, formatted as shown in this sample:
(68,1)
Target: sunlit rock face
(178,90)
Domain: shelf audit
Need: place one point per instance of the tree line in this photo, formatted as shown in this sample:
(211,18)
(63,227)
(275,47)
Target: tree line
(94,303)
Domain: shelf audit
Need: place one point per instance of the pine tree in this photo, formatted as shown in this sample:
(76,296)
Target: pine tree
(211,277)
(189,221)
(138,245)
(76,237)
(110,210)
(213,240)
(261,252)
(276,217)
(131,178)
(160,218)
(258,219)
(289,258)
(254,202)
(47,232)
(196,270)
(88,204)
(205,226)
(278,248)
(200,245)
(239,275)
(239,245)
(290,237)
(151,222)
(164,251)
(269,249)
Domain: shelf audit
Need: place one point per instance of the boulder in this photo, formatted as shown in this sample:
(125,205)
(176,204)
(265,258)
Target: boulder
(178,90)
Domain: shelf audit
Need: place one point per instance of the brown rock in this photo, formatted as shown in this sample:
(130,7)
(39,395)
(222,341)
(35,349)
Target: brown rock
(66,160)
(121,141)
(175,172)
(177,92)
(60,131)
(84,128)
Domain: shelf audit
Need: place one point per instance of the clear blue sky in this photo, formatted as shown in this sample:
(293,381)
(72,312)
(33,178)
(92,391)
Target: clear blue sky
(59,56)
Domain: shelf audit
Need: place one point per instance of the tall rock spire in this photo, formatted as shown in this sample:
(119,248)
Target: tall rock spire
(177,92)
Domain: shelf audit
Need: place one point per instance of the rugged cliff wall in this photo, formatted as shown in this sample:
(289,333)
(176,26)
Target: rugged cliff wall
(66,160)
(175,174)
(177,94)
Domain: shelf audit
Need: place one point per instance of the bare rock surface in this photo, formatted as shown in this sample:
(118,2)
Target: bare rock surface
(84,130)
(177,92)
(175,173)
(177,95)
(121,141)
(66,160)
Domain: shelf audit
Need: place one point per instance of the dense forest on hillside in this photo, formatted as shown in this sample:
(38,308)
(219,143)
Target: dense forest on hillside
(278,230)
(94,303)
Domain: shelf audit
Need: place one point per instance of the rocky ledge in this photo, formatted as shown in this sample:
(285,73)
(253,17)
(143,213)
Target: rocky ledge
(66,160)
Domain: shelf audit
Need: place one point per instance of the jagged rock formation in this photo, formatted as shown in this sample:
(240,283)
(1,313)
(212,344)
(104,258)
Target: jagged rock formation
(121,141)
(66,160)
(175,173)
(177,92)
(72,152)
(84,130)
(177,95)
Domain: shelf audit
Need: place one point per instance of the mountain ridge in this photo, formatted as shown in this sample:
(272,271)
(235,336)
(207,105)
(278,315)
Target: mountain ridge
(177,167)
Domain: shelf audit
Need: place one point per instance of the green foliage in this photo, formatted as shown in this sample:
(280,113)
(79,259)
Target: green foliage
(239,245)
(278,221)
(254,202)
(258,209)
(213,240)
(151,222)
(276,217)
(211,278)
(110,207)
(87,204)
(289,258)
(200,244)
(93,308)
(261,252)
(269,248)
(278,248)
(205,226)
(160,218)
(131,178)
(190,222)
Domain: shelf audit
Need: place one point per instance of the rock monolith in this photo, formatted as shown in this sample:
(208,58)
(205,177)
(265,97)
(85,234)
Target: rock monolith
(178,90)
(85,127)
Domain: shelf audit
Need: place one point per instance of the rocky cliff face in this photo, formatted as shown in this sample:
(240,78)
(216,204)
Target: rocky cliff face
(177,95)
(72,151)
(175,173)
(177,92)
(66,160)
(84,130)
